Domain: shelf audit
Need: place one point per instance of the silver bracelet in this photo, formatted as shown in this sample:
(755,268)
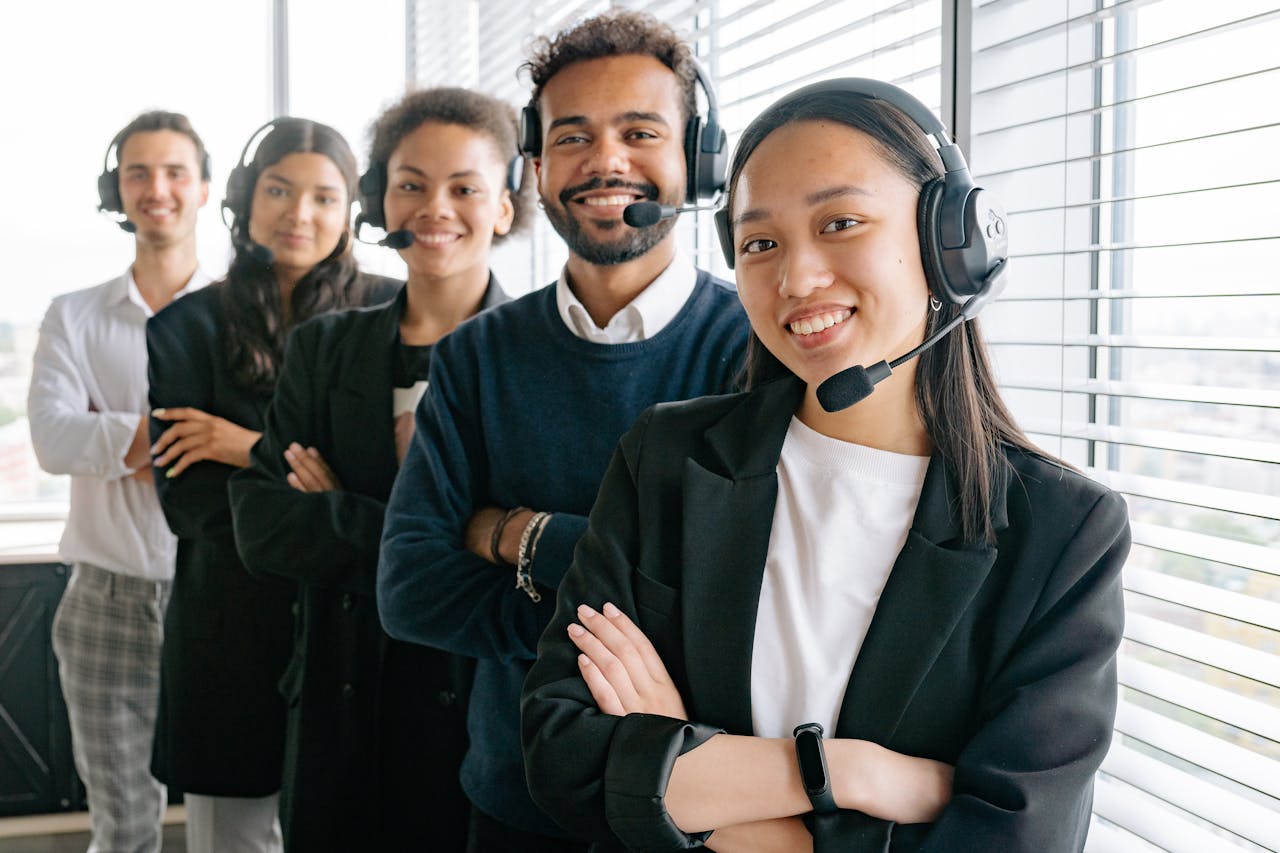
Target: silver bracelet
(524,564)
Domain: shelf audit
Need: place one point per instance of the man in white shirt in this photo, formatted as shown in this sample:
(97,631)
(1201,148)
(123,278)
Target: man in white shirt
(87,406)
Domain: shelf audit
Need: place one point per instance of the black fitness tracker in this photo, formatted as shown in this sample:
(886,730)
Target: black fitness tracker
(813,767)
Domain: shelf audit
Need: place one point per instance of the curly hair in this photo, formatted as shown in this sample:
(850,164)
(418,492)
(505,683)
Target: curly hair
(618,32)
(481,113)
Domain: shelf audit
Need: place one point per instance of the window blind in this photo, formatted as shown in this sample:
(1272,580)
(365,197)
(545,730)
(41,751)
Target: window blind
(1139,338)
(756,50)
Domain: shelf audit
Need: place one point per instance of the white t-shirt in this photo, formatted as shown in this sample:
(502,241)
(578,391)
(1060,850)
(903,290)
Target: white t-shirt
(842,516)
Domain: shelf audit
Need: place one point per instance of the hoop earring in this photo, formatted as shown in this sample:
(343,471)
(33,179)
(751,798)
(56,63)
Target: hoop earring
(935,304)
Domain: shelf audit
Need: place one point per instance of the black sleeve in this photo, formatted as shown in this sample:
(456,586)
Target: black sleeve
(1024,781)
(180,373)
(601,776)
(326,537)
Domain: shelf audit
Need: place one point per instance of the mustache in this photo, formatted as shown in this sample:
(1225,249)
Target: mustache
(649,191)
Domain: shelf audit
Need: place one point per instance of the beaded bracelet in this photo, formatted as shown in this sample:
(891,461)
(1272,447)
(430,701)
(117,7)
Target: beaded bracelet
(532,532)
(497,535)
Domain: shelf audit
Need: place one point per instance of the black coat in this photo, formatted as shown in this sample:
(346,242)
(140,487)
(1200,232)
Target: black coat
(220,726)
(997,659)
(360,705)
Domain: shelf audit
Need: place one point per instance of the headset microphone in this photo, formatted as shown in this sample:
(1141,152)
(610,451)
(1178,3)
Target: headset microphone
(853,384)
(643,214)
(401,238)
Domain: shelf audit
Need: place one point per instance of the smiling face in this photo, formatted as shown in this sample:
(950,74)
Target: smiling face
(613,134)
(299,211)
(447,184)
(827,252)
(161,187)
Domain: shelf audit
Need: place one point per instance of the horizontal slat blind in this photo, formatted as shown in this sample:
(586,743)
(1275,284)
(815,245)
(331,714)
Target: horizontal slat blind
(1140,338)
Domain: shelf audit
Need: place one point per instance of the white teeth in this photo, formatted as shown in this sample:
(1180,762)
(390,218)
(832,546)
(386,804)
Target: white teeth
(607,200)
(435,239)
(809,325)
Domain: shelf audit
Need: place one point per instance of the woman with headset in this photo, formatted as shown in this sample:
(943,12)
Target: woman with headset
(376,729)
(213,363)
(796,623)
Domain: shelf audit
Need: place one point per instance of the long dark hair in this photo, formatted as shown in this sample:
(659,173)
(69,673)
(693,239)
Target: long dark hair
(956,391)
(255,328)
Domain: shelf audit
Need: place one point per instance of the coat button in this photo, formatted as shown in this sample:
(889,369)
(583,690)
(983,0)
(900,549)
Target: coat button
(347,601)
(348,690)
(446,698)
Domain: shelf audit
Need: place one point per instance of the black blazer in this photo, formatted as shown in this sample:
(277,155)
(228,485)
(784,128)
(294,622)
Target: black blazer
(997,659)
(354,695)
(220,726)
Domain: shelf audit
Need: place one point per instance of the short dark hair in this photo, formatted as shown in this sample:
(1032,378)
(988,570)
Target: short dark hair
(154,120)
(618,32)
(956,392)
(482,113)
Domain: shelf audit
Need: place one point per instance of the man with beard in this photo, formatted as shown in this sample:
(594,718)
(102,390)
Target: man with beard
(526,402)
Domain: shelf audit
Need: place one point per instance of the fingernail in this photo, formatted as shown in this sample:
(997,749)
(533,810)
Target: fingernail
(154,450)
(288,452)
(583,660)
(157,413)
(610,610)
(585,611)
(576,630)
(171,473)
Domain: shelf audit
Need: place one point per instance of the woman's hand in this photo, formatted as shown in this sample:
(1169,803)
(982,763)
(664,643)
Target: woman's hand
(621,667)
(310,472)
(197,436)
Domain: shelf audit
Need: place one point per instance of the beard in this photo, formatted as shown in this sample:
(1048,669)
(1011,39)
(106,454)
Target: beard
(628,244)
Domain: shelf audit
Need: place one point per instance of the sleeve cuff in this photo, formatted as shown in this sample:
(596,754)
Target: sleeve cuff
(643,751)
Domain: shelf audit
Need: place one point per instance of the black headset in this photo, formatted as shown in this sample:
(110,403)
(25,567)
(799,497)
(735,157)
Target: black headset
(373,186)
(241,182)
(706,148)
(109,200)
(963,233)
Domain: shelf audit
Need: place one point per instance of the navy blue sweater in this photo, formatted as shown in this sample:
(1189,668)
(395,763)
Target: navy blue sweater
(520,412)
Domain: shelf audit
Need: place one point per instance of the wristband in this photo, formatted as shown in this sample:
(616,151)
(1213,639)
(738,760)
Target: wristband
(813,767)
(524,566)
(497,535)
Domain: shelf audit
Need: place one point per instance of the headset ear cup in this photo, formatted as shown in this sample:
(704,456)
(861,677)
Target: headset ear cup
(109,192)
(236,201)
(692,159)
(372,187)
(714,162)
(530,131)
(931,242)
(515,174)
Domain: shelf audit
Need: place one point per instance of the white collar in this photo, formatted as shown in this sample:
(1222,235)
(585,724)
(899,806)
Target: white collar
(643,317)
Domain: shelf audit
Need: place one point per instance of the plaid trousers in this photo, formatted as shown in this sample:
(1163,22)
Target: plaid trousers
(107,634)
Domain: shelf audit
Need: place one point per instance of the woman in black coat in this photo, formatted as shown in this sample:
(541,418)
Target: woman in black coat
(213,363)
(376,729)
(907,576)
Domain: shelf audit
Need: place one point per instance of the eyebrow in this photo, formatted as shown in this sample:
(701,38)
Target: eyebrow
(465,173)
(288,183)
(621,118)
(755,214)
(133,167)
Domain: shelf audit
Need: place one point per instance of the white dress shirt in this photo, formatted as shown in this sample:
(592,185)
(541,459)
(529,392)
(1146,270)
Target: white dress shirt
(88,393)
(643,317)
(842,516)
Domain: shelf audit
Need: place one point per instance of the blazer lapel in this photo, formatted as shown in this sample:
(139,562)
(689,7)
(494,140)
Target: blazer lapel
(362,404)
(724,562)
(931,585)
